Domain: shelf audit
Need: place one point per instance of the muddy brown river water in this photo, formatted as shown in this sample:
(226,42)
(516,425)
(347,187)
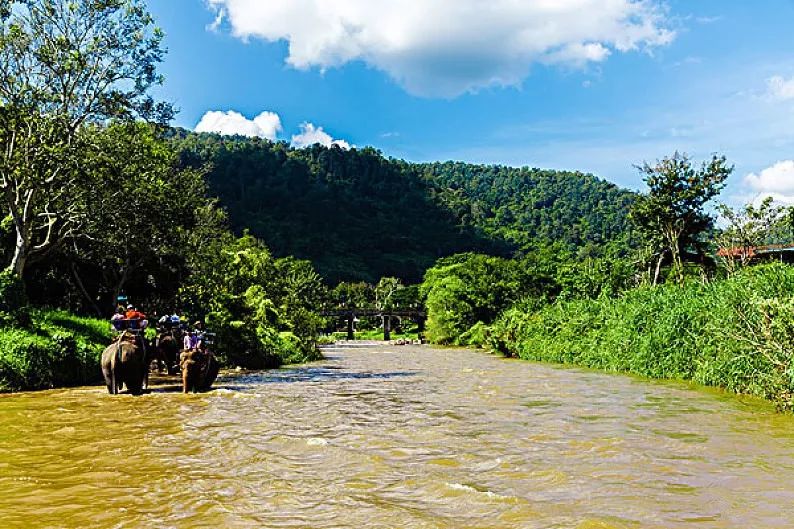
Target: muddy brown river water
(391,437)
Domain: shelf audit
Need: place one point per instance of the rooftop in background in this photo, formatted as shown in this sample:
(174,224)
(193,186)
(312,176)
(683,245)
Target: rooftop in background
(785,252)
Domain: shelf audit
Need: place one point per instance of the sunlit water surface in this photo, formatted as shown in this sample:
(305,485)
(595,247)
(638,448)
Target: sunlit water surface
(390,437)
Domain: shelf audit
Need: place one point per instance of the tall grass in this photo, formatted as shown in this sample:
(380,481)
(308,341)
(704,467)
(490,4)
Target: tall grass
(56,349)
(736,333)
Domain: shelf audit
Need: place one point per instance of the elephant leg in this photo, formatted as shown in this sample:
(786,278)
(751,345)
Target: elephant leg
(108,376)
(185,380)
(162,361)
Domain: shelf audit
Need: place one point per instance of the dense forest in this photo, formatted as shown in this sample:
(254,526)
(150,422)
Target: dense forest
(358,215)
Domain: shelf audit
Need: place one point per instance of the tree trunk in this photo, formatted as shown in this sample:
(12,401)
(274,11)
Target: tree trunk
(84,291)
(120,283)
(658,269)
(20,255)
(678,265)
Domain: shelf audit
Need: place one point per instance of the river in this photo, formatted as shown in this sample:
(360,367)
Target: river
(403,436)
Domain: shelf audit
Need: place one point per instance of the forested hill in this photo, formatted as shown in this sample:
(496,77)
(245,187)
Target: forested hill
(528,207)
(360,216)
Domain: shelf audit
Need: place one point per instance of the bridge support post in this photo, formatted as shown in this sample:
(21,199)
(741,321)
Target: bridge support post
(387,328)
(351,331)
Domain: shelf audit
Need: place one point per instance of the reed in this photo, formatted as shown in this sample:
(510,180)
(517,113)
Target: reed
(735,333)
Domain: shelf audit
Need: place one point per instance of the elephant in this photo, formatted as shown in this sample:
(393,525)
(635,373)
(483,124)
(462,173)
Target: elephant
(167,351)
(199,370)
(125,362)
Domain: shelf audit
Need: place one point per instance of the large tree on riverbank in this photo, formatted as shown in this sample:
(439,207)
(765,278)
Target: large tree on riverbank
(672,215)
(64,64)
(142,212)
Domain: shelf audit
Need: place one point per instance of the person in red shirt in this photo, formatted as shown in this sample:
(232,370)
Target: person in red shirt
(134,316)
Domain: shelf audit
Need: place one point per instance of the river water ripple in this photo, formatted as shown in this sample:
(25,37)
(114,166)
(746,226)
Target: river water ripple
(390,437)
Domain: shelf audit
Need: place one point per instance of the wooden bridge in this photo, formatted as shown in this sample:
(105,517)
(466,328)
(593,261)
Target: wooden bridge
(350,315)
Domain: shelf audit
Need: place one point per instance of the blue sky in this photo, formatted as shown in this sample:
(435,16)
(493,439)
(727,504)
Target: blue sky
(589,85)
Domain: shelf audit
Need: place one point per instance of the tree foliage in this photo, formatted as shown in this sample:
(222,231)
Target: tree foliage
(672,215)
(64,64)
(263,308)
(141,209)
(465,289)
(750,227)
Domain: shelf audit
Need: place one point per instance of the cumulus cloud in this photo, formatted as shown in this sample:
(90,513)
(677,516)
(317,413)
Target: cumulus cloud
(265,125)
(311,134)
(448,47)
(780,88)
(776,181)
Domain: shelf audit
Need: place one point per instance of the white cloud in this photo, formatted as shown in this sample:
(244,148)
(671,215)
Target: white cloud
(310,135)
(448,47)
(265,125)
(780,88)
(776,181)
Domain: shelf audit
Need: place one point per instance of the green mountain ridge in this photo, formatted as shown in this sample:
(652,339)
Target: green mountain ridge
(358,215)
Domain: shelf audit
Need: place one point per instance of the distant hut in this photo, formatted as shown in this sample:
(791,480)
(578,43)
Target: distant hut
(773,252)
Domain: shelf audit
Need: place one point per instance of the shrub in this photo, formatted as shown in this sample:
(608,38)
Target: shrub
(476,336)
(293,350)
(13,301)
(242,343)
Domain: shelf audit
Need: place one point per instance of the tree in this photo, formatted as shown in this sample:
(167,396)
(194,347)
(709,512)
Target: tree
(262,309)
(672,216)
(462,290)
(64,64)
(141,209)
(385,292)
(748,228)
(353,295)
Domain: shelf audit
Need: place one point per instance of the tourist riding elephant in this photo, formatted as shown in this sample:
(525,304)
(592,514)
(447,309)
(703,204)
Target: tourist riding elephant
(199,370)
(125,363)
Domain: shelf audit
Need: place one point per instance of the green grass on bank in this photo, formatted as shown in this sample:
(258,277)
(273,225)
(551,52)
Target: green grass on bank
(736,333)
(56,349)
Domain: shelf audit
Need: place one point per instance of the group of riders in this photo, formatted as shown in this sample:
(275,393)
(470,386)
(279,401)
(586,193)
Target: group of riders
(172,330)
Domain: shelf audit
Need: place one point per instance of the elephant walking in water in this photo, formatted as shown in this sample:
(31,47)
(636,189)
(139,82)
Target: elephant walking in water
(125,363)
(167,349)
(199,370)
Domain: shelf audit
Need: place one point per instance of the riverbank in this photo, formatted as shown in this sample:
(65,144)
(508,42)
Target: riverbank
(736,333)
(54,349)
